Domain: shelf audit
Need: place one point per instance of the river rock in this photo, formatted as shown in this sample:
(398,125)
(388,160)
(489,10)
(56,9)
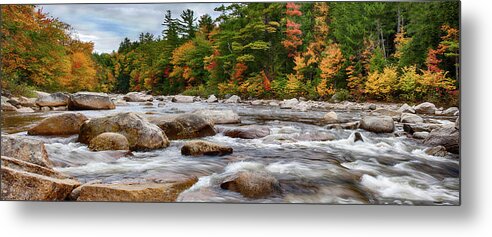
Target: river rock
(289,104)
(185,126)
(74,195)
(425,108)
(457,123)
(436,151)
(421,127)
(451,111)
(378,124)
(137,97)
(395,115)
(141,134)
(27,102)
(420,135)
(143,192)
(315,136)
(63,124)
(25,110)
(6,106)
(273,103)
(90,101)
(247,132)
(109,141)
(183,99)
(41,94)
(25,149)
(199,148)
(257,102)
(447,136)
(411,118)
(349,125)
(405,108)
(45,108)
(219,116)
(330,117)
(212,99)
(52,100)
(302,106)
(26,181)
(233,99)
(372,107)
(252,184)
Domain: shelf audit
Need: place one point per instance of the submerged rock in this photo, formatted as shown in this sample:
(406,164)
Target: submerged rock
(25,181)
(109,141)
(425,108)
(252,184)
(219,116)
(52,100)
(447,136)
(380,124)
(25,149)
(436,151)
(142,192)
(141,134)
(247,132)
(63,124)
(185,126)
(90,101)
(199,148)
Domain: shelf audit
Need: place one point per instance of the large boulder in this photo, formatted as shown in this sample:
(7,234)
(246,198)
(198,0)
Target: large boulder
(411,118)
(199,148)
(145,192)
(425,108)
(26,181)
(184,126)
(141,134)
(252,184)
(137,97)
(219,116)
(247,132)
(90,101)
(233,99)
(330,118)
(447,136)
(183,99)
(63,124)
(109,141)
(22,148)
(377,124)
(421,127)
(53,100)
(289,104)
(25,110)
(27,102)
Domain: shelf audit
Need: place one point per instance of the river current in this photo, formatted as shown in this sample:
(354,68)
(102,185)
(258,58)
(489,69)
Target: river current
(381,169)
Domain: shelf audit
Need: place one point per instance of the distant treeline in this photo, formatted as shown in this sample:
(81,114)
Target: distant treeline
(347,50)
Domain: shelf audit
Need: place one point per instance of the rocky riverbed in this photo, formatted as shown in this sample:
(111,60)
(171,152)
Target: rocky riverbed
(139,147)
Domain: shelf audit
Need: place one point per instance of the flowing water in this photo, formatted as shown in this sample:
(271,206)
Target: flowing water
(381,169)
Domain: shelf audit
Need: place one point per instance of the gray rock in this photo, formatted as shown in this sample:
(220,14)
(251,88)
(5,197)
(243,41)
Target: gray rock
(184,126)
(25,149)
(425,108)
(90,101)
(182,99)
(137,97)
(451,111)
(330,118)
(212,99)
(247,132)
(378,124)
(420,135)
(52,100)
(219,116)
(447,136)
(200,148)
(289,104)
(411,118)
(405,108)
(395,115)
(233,99)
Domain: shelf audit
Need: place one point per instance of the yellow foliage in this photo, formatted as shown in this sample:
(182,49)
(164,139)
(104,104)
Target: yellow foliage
(294,85)
(323,90)
(382,84)
(331,62)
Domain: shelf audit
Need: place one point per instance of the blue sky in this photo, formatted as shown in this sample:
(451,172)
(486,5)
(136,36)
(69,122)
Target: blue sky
(108,24)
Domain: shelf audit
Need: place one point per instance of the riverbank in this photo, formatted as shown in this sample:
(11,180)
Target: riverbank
(294,150)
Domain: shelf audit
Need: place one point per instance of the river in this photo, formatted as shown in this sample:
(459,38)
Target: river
(381,169)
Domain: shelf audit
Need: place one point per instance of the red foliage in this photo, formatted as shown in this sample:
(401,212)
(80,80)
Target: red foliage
(266,81)
(239,69)
(293,9)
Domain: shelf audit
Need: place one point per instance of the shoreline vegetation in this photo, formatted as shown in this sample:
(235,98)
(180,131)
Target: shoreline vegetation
(357,51)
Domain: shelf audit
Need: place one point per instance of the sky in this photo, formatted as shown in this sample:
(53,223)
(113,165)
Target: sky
(108,24)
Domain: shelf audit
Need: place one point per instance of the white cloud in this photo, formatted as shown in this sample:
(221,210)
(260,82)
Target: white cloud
(108,24)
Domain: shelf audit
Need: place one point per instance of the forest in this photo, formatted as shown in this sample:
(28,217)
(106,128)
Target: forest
(360,51)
